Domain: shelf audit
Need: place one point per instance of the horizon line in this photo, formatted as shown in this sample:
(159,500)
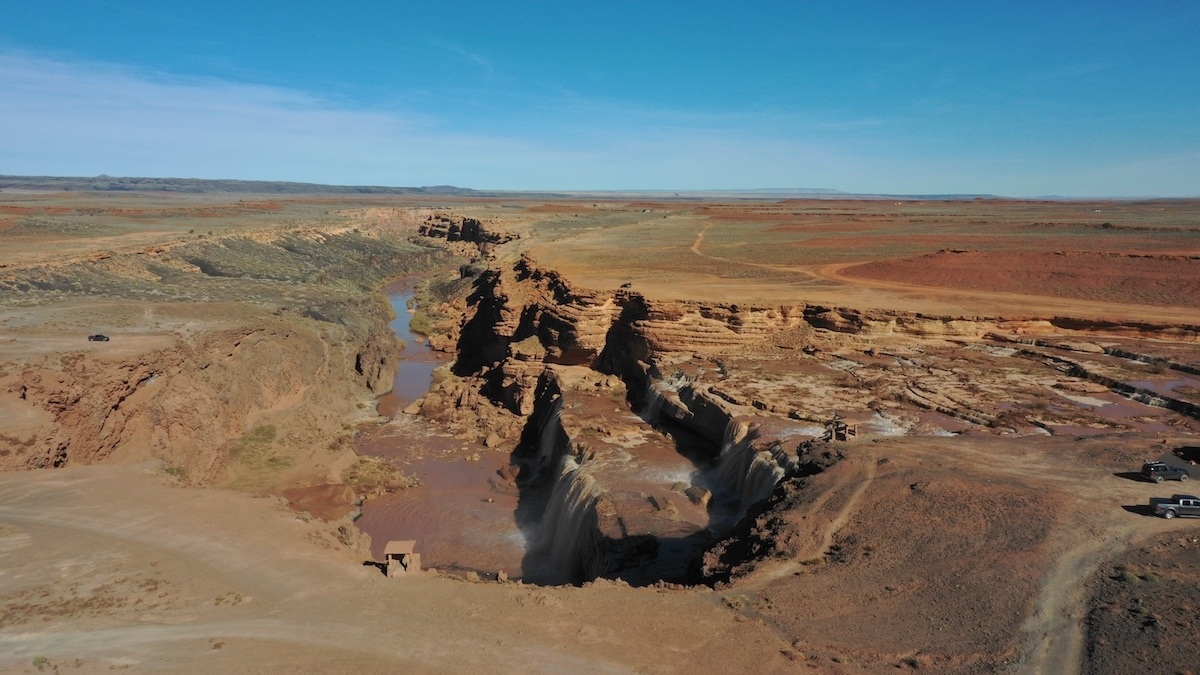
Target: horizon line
(29,184)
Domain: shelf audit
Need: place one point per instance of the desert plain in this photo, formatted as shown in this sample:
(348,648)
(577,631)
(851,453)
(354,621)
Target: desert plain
(654,435)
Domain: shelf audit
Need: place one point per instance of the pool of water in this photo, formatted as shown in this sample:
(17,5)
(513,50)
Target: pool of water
(459,521)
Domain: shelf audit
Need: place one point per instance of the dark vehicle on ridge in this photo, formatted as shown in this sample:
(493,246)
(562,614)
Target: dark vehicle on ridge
(97,338)
(1157,472)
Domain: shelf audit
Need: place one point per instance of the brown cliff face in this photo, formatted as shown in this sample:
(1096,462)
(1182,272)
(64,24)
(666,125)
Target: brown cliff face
(532,349)
(185,403)
(233,359)
(454,228)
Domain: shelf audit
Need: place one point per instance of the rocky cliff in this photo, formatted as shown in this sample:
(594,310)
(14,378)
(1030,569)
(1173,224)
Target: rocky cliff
(234,358)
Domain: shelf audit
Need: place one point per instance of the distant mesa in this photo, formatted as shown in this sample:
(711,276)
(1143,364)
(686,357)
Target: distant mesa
(106,183)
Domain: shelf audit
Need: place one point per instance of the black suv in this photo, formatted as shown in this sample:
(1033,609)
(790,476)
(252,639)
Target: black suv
(1160,471)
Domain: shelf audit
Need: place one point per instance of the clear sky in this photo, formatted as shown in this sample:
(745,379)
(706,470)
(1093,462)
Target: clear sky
(1015,98)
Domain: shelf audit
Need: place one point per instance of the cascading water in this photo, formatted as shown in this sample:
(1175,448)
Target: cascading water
(575,538)
(553,443)
(759,480)
(566,541)
(562,538)
(744,474)
(654,403)
(656,395)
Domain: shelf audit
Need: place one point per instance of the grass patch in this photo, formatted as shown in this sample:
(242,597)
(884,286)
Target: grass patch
(1128,576)
(426,320)
(422,323)
(255,449)
(255,456)
(371,477)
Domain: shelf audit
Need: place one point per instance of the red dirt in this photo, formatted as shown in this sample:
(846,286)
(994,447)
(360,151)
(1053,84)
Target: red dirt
(1160,280)
(1144,609)
(558,208)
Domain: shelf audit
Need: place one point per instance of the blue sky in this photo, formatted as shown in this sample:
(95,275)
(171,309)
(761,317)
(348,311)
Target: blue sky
(1014,98)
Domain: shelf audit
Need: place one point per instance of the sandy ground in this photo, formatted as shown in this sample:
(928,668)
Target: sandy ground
(114,566)
(109,566)
(939,287)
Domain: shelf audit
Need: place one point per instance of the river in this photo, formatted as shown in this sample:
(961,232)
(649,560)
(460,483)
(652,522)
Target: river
(459,520)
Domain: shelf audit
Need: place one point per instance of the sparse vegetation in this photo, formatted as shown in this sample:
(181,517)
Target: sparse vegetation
(255,449)
(908,538)
(231,599)
(255,456)
(371,477)
(314,271)
(422,323)
(1128,577)
(426,319)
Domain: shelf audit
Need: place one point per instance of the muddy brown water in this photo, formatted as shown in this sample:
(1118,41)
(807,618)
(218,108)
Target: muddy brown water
(462,516)
(458,519)
(1174,387)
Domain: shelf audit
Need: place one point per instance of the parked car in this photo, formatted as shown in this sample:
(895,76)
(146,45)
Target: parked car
(1177,505)
(1160,471)
(97,338)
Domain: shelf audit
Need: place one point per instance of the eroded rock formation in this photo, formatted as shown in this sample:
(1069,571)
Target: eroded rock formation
(532,350)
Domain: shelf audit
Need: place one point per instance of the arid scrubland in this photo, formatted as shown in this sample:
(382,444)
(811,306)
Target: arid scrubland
(823,435)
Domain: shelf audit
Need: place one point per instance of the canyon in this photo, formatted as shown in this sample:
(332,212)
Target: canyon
(836,436)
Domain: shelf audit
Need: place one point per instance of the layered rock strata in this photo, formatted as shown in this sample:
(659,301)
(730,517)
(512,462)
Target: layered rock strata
(527,334)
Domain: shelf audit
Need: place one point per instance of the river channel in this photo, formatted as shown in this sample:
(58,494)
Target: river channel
(458,517)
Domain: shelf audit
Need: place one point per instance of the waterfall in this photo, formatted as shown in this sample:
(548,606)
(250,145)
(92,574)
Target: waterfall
(564,548)
(568,535)
(744,474)
(656,395)
(759,480)
(654,404)
(733,461)
(552,440)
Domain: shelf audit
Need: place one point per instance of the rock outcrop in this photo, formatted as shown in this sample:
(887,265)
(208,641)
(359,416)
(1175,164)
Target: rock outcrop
(186,403)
